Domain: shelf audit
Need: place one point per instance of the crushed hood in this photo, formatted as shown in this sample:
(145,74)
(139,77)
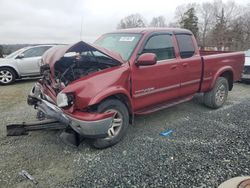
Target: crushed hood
(56,53)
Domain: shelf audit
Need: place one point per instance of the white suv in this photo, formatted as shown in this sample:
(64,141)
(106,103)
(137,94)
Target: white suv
(246,72)
(22,63)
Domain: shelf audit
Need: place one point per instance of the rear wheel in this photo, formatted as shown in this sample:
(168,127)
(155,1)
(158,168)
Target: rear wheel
(119,125)
(218,95)
(7,76)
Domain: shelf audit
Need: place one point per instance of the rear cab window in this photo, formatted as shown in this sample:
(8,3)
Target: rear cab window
(186,45)
(161,45)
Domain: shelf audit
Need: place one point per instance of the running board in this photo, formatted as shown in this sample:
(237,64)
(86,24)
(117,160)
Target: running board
(24,128)
(163,106)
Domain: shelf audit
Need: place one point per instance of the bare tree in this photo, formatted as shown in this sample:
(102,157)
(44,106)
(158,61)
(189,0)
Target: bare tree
(218,23)
(246,27)
(133,20)
(224,25)
(230,10)
(206,19)
(173,24)
(237,35)
(159,21)
(240,30)
(224,14)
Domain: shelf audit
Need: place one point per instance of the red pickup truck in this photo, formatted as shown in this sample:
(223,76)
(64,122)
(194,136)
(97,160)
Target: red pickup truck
(97,89)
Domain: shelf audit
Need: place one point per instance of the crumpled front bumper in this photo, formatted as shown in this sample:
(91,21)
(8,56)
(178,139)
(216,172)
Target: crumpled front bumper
(96,128)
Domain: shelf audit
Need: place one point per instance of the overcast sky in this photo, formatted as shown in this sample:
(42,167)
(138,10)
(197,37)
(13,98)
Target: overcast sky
(59,21)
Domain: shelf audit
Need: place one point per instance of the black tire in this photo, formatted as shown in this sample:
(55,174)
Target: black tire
(8,72)
(115,105)
(215,98)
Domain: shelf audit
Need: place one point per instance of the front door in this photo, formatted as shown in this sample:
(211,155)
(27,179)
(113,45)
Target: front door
(28,64)
(160,82)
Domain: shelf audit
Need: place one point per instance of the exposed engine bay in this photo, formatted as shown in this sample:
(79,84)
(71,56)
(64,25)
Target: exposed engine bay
(78,60)
(74,65)
(70,69)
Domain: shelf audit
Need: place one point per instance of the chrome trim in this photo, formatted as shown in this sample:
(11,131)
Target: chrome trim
(36,90)
(48,98)
(157,90)
(207,78)
(152,90)
(145,90)
(98,127)
(190,82)
(166,60)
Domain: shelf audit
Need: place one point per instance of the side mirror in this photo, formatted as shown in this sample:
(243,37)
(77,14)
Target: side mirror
(20,56)
(146,59)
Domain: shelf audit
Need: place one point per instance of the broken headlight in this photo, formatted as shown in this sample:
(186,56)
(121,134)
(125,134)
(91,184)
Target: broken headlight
(64,100)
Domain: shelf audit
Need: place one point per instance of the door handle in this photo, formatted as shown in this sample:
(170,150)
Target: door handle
(173,67)
(185,64)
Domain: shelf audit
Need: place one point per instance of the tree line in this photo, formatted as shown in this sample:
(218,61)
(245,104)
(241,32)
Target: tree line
(1,51)
(6,49)
(216,25)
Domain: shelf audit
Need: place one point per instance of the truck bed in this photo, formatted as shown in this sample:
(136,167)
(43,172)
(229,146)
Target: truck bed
(216,62)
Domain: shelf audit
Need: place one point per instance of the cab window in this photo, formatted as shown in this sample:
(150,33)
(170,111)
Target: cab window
(186,45)
(35,52)
(161,46)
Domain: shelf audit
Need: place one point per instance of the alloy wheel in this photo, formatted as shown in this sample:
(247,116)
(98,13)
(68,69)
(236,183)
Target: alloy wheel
(5,76)
(116,124)
(220,94)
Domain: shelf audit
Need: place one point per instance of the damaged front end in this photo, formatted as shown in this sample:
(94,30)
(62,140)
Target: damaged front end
(93,125)
(61,67)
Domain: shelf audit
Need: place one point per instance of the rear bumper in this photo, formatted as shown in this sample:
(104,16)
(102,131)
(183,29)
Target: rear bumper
(96,128)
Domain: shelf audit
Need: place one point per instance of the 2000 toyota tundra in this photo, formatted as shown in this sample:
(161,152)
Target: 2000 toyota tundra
(97,89)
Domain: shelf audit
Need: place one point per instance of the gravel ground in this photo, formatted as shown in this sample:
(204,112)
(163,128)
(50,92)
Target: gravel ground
(206,148)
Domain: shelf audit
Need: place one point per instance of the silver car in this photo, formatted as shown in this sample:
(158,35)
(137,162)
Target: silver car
(246,72)
(22,63)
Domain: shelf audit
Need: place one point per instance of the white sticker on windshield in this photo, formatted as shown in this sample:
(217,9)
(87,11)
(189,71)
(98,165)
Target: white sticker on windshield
(127,39)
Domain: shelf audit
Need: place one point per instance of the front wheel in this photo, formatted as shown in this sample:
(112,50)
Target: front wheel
(119,125)
(218,95)
(7,76)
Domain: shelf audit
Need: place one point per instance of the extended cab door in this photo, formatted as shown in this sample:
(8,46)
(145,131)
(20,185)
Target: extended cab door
(28,63)
(190,64)
(157,83)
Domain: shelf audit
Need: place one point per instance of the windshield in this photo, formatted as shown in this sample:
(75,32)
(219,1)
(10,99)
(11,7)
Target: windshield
(12,55)
(122,43)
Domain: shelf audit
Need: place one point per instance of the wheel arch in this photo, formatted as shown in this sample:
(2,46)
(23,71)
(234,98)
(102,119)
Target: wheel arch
(229,76)
(12,68)
(226,72)
(115,93)
(118,93)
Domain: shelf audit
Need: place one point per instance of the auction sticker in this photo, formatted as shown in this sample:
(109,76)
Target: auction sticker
(127,39)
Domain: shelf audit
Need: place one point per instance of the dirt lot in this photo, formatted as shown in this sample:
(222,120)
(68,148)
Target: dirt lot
(206,148)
